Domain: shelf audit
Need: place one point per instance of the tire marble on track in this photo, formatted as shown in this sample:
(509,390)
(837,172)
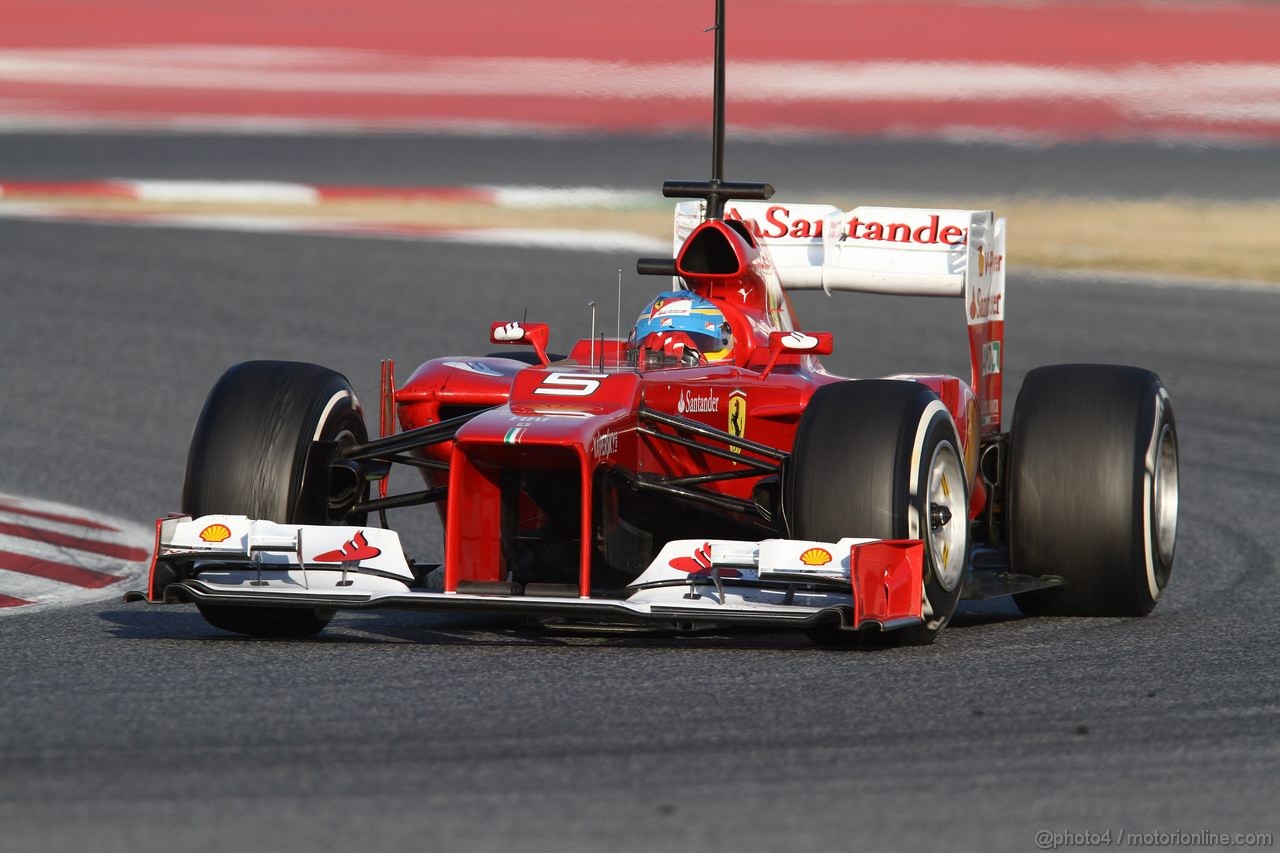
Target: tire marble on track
(135,728)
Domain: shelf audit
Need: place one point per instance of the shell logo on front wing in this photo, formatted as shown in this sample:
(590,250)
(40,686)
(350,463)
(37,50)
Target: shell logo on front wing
(215,533)
(816,557)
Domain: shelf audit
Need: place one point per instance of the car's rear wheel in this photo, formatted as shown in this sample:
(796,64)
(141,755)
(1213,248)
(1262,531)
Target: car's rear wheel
(1093,491)
(249,456)
(881,458)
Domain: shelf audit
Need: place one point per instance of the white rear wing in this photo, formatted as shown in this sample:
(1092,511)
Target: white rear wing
(895,250)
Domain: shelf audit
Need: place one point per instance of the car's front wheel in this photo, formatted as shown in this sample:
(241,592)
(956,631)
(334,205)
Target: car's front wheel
(881,459)
(249,456)
(1093,491)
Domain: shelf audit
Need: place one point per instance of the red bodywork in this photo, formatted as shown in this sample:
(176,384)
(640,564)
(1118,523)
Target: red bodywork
(537,467)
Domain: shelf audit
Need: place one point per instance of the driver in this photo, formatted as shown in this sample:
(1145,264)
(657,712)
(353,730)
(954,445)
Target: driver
(680,329)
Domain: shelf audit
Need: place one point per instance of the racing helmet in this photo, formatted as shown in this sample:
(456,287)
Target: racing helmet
(682,324)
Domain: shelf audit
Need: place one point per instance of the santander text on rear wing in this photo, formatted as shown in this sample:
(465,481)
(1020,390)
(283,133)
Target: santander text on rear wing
(896,250)
(893,250)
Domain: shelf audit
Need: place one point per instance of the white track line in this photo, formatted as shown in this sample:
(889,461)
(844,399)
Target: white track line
(564,239)
(31,534)
(214,192)
(286,193)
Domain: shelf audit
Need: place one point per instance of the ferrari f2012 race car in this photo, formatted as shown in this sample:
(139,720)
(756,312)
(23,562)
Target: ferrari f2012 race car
(704,470)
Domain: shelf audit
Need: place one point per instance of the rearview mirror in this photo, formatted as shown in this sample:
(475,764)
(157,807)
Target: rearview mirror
(797,343)
(535,335)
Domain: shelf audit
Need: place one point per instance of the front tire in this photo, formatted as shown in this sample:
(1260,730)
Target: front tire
(249,456)
(881,458)
(1093,491)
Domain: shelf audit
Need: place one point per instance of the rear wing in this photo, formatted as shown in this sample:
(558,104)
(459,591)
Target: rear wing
(892,250)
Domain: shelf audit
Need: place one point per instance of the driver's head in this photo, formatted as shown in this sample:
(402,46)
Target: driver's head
(684,325)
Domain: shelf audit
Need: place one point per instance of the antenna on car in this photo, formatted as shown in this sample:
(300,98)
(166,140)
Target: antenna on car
(592,361)
(618,333)
(716,191)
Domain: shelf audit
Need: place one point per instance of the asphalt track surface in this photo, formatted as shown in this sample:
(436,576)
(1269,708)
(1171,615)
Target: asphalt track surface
(852,170)
(141,728)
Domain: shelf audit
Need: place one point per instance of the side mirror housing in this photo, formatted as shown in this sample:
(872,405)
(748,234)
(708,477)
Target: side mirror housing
(797,343)
(536,335)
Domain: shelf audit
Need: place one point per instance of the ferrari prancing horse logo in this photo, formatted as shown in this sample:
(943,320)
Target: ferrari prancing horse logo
(737,417)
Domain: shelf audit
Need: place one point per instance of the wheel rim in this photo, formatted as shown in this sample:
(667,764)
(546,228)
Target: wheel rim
(1165,496)
(947,516)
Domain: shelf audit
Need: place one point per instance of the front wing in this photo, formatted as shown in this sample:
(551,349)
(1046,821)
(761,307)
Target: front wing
(780,583)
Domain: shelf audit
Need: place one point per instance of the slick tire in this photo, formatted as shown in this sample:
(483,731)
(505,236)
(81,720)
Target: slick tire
(1093,490)
(872,458)
(249,456)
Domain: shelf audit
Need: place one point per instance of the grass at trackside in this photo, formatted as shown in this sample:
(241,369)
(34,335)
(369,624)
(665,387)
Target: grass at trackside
(1174,237)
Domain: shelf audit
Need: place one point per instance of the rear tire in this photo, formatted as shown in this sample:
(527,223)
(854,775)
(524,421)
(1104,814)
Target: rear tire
(248,456)
(871,458)
(1093,490)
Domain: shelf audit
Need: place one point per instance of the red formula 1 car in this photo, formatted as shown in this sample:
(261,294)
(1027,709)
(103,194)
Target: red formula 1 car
(705,469)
